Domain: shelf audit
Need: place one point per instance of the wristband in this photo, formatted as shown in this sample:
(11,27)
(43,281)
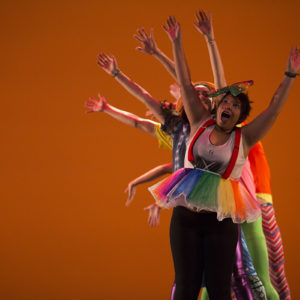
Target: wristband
(291,74)
(115,72)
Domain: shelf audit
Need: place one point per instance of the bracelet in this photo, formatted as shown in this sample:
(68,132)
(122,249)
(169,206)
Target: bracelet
(291,74)
(115,72)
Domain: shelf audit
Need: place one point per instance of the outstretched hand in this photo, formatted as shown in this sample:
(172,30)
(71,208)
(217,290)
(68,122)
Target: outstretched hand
(131,188)
(107,63)
(172,28)
(154,214)
(175,91)
(293,63)
(204,24)
(95,105)
(148,42)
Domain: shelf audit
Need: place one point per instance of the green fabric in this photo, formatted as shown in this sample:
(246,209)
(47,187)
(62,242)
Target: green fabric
(204,295)
(205,192)
(257,246)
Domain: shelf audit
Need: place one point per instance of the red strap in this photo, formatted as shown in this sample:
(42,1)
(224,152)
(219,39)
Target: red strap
(234,155)
(200,130)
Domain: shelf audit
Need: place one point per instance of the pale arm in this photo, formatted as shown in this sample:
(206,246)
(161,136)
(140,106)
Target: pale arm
(149,46)
(258,128)
(109,64)
(146,177)
(125,117)
(204,26)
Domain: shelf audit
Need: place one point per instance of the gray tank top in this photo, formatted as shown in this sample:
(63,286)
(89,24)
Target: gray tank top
(215,158)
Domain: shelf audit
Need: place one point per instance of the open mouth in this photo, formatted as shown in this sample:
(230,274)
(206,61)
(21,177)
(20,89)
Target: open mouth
(225,116)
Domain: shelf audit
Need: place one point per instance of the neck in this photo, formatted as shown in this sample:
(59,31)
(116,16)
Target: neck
(223,130)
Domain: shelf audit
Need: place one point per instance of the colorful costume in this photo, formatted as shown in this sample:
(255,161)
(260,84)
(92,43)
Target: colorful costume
(204,189)
(184,217)
(261,173)
(180,133)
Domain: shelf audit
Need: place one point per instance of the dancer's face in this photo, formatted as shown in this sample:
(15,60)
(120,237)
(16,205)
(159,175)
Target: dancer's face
(228,112)
(203,92)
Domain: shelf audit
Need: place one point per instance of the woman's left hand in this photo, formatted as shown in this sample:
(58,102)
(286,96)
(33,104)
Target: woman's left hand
(95,105)
(172,28)
(293,63)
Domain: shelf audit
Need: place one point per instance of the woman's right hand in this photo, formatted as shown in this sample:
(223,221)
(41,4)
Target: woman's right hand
(148,42)
(107,63)
(204,24)
(131,189)
(175,91)
(95,105)
(154,214)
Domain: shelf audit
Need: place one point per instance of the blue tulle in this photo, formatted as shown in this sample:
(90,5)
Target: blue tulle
(188,183)
(173,181)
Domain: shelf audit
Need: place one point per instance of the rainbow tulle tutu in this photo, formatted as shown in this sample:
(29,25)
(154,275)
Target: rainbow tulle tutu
(203,190)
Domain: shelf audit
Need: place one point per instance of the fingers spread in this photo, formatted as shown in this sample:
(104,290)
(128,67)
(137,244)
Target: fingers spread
(138,38)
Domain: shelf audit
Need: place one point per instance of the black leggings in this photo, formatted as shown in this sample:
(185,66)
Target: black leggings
(200,243)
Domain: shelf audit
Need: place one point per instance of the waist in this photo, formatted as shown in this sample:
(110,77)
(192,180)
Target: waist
(195,209)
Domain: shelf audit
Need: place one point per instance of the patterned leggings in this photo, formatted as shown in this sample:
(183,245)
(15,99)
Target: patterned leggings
(275,252)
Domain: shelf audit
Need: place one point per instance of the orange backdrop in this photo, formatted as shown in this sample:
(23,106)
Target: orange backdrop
(64,228)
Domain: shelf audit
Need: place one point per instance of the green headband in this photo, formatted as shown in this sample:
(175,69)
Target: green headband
(234,89)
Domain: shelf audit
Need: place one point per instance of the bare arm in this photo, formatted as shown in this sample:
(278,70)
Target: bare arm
(194,109)
(204,26)
(120,115)
(148,176)
(109,64)
(258,128)
(149,46)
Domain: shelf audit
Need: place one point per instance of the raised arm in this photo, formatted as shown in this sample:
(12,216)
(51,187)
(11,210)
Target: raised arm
(148,176)
(194,109)
(109,65)
(204,25)
(149,46)
(258,128)
(125,117)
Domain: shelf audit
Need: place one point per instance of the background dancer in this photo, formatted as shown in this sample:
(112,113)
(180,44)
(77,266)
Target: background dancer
(253,231)
(182,72)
